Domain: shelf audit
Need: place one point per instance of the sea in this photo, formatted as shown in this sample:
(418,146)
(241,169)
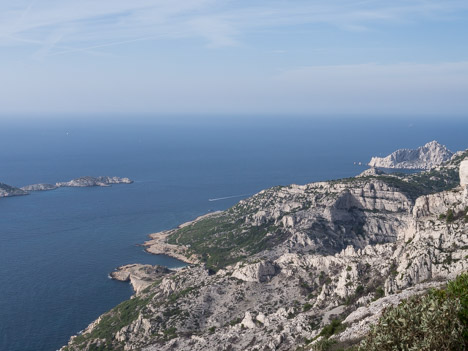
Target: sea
(58,247)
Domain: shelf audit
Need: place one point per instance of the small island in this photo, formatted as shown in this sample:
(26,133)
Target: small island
(8,190)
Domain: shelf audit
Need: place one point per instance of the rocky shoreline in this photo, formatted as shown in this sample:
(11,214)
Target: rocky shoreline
(158,244)
(277,269)
(140,276)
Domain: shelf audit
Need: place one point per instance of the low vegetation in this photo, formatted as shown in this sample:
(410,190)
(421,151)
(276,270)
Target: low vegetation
(110,323)
(435,321)
(224,239)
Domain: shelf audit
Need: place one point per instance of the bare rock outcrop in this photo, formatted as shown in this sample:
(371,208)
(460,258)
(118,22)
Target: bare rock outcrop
(255,272)
(464,173)
(373,171)
(428,156)
(140,275)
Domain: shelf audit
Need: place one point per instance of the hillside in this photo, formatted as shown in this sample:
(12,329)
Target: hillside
(276,270)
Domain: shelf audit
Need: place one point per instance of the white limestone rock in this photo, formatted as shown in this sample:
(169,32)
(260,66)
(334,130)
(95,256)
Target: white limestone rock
(140,275)
(373,171)
(464,173)
(248,321)
(424,157)
(257,272)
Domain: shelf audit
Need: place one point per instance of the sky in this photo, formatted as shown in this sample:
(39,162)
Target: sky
(223,57)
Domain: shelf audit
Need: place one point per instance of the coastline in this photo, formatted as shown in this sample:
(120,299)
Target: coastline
(157,244)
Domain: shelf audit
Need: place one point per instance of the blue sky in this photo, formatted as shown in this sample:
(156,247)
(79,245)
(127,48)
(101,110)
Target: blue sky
(107,57)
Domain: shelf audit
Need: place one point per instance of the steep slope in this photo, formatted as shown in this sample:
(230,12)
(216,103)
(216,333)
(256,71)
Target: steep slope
(424,157)
(275,269)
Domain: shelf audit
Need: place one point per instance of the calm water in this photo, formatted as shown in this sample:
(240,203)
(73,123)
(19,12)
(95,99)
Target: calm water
(57,247)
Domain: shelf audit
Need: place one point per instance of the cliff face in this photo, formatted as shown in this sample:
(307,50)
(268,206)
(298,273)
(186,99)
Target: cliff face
(279,266)
(425,157)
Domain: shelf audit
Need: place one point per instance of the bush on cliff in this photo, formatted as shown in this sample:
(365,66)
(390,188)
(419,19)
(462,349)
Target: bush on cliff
(436,321)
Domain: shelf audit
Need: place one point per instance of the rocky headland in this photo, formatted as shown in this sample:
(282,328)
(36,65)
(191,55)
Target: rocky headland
(8,190)
(428,156)
(140,276)
(297,267)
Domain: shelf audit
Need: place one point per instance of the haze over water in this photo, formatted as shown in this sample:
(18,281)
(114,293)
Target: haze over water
(57,247)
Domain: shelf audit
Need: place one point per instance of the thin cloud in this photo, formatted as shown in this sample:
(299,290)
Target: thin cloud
(217,23)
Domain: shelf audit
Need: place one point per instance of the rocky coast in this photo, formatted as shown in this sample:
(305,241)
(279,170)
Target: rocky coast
(277,270)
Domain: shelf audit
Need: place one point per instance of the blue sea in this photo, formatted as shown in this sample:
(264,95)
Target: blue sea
(58,247)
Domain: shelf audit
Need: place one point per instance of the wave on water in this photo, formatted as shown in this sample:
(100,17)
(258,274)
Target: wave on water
(227,197)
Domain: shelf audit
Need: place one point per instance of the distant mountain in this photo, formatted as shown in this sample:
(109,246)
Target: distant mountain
(424,157)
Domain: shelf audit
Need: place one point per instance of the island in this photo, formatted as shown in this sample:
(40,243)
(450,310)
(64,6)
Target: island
(8,190)
(103,181)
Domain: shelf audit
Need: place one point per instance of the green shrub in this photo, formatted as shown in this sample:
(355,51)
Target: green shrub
(379,292)
(323,345)
(359,290)
(436,321)
(449,216)
(334,327)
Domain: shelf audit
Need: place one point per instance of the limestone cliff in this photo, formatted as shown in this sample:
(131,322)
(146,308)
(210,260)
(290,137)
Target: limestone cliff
(273,270)
(425,157)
